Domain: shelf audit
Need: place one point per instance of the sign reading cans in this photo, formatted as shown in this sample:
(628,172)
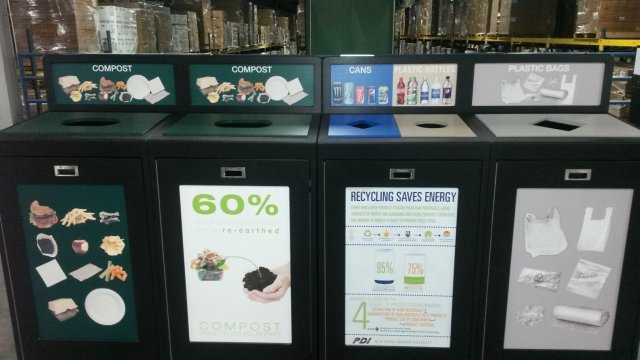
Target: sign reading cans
(252,85)
(114,84)
(393,85)
(538,84)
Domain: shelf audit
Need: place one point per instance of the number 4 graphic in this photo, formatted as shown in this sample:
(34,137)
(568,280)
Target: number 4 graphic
(363,318)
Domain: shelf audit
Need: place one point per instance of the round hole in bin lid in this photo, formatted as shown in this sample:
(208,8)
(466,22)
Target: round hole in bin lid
(431,125)
(243,124)
(90,122)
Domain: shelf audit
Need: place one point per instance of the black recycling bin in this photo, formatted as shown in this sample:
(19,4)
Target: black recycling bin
(236,184)
(77,234)
(563,261)
(402,187)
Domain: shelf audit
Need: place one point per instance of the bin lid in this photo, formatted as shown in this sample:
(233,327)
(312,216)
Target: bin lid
(241,125)
(363,126)
(434,125)
(89,123)
(557,125)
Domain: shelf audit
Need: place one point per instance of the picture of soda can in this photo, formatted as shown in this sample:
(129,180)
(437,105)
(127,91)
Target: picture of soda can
(371,95)
(383,95)
(359,94)
(336,92)
(348,93)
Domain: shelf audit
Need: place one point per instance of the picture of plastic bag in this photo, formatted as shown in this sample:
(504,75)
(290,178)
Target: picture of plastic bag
(530,315)
(595,233)
(540,278)
(544,236)
(588,279)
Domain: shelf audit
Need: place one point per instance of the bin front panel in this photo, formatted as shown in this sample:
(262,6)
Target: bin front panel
(252,219)
(399,251)
(78,256)
(561,248)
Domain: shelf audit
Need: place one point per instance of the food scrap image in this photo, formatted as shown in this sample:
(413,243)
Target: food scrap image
(42,216)
(136,87)
(112,245)
(274,88)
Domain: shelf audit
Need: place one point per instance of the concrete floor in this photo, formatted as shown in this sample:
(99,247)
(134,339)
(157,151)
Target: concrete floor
(7,346)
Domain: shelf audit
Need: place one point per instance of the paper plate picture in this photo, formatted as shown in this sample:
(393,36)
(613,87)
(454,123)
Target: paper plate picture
(104,306)
(138,87)
(276,88)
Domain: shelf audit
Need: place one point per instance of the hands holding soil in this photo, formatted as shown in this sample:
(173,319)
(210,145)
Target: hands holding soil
(276,290)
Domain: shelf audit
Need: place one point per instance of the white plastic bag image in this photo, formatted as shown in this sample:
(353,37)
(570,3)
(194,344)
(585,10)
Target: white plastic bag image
(544,236)
(588,279)
(595,233)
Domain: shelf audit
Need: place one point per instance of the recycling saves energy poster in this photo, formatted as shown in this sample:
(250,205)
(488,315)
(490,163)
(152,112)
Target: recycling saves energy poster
(399,261)
(236,242)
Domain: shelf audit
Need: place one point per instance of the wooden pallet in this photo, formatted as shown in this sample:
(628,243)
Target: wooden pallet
(585,36)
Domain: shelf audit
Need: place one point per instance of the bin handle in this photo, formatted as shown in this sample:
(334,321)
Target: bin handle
(66,170)
(233,172)
(402,174)
(577,174)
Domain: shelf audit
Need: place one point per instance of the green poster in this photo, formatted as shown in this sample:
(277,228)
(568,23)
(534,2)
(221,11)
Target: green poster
(80,264)
(114,84)
(252,85)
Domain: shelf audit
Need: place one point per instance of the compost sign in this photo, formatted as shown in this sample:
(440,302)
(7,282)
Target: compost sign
(236,242)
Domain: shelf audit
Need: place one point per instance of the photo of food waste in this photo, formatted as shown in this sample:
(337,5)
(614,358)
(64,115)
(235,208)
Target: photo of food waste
(243,92)
(81,263)
(136,88)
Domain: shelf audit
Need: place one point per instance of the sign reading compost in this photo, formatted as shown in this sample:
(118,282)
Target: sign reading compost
(538,84)
(79,254)
(252,85)
(236,243)
(399,266)
(114,84)
(566,267)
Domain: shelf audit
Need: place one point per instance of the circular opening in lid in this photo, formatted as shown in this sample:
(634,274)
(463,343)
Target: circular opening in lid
(431,125)
(90,122)
(243,124)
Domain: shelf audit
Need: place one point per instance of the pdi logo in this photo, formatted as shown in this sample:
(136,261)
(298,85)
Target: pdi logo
(361,341)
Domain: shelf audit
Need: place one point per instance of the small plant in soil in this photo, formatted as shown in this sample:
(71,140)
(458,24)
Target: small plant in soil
(258,279)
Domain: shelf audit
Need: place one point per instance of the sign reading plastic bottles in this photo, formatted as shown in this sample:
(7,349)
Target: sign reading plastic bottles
(237,263)
(538,84)
(566,266)
(399,266)
(424,85)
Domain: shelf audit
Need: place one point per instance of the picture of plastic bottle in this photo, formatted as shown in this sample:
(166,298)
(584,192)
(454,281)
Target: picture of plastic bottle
(424,91)
(447,91)
(436,92)
(400,92)
(412,91)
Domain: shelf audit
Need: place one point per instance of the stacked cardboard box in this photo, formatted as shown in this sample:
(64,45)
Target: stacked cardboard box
(523,18)
(57,26)
(284,24)
(446,17)
(164,31)
(300,26)
(267,24)
(180,33)
(614,18)
(233,8)
(424,17)
(202,9)
(218,26)
(122,28)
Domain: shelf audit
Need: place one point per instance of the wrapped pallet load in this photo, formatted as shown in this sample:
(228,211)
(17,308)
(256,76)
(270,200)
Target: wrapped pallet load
(613,19)
(218,26)
(118,29)
(180,33)
(477,17)
(446,17)
(56,26)
(164,32)
(267,24)
(146,24)
(523,18)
